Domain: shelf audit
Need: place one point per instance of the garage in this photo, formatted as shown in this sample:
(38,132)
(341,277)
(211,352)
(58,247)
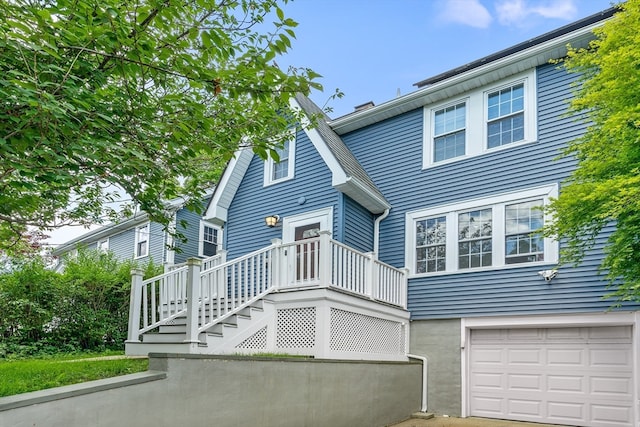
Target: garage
(579,376)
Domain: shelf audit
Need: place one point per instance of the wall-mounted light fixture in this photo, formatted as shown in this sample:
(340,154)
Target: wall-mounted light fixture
(272,220)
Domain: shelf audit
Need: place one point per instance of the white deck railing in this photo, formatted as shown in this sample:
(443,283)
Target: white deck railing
(209,295)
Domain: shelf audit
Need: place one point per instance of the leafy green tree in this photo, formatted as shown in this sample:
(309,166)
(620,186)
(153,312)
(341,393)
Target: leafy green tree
(605,187)
(149,97)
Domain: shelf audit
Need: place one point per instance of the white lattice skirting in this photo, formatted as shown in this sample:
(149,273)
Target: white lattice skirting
(330,328)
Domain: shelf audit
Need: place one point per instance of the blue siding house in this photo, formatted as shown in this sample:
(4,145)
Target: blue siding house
(410,229)
(146,241)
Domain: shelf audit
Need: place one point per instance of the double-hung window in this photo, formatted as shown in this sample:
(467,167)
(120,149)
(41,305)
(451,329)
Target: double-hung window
(282,168)
(210,239)
(142,241)
(494,232)
(505,113)
(449,132)
(431,244)
(487,119)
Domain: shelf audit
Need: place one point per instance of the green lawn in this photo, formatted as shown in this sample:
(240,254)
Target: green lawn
(24,375)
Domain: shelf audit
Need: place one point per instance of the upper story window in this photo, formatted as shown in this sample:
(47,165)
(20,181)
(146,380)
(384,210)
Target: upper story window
(282,169)
(210,239)
(142,241)
(495,232)
(103,245)
(449,132)
(505,112)
(482,121)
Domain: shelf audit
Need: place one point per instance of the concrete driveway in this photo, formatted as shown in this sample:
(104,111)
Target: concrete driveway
(467,422)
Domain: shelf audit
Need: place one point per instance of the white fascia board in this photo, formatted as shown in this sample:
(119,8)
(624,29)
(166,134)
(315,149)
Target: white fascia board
(228,185)
(355,189)
(338,175)
(423,96)
(100,233)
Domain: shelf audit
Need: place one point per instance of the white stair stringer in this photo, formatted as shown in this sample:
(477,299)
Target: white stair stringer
(225,338)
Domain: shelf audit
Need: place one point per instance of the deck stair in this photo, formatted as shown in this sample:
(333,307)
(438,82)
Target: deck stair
(278,299)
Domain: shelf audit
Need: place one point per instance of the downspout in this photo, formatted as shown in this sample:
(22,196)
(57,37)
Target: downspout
(376,231)
(425,368)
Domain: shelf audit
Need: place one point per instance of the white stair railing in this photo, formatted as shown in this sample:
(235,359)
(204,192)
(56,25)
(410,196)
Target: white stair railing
(209,295)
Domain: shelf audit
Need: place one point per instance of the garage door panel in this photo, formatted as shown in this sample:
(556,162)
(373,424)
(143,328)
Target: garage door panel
(610,415)
(604,357)
(564,376)
(524,382)
(524,356)
(566,383)
(610,386)
(566,357)
(566,412)
(487,380)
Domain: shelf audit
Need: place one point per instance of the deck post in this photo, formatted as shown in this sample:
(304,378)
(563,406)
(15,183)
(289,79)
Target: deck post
(324,260)
(371,278)
(135,301)
(193,298)
(405,287)
(276,261)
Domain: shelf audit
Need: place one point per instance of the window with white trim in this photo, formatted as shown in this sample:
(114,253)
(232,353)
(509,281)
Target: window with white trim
(142,241)
(505,113)
(210,238)
(494,232)
(103,245)
(281,169)
(481,121)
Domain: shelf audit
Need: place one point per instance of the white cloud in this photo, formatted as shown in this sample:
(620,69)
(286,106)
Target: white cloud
(466,12)
(517,12)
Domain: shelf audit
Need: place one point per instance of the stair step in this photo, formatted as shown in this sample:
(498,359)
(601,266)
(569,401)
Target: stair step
(177,338)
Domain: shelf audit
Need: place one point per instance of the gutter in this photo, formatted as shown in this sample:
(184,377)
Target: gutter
(425,368)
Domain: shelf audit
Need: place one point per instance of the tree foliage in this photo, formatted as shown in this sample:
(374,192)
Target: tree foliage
(605,187)
(152,97)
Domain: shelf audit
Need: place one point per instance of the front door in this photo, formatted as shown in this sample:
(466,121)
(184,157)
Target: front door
(302,231)
(306,252)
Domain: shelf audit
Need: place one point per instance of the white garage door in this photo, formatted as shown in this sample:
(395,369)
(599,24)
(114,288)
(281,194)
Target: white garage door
(573,376)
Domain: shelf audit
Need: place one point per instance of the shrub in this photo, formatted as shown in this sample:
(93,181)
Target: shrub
(85,308)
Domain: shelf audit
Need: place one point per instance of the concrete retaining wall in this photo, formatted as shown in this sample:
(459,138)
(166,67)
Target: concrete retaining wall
(218,391)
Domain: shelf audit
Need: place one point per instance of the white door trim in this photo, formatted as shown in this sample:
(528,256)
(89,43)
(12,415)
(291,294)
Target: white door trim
(289,223)
(551,321)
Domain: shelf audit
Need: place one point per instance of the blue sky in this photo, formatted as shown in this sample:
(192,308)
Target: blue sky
(371,49)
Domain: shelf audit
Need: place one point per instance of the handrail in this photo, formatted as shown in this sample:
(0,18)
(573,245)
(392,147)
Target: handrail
(230,286)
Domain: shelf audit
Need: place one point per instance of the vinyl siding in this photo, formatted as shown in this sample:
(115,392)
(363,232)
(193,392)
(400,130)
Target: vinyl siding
(122,244)
(408,187)
(309,190)
(358,226)
(189,248)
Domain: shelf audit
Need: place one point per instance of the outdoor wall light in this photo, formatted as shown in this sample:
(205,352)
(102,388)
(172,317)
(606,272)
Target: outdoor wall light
(272,220)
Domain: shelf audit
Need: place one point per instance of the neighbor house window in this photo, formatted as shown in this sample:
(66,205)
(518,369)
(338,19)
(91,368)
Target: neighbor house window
(475,122)
(494,232)
(281,169)
(103,245)
(505,112)
(142,241)
(449,132)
